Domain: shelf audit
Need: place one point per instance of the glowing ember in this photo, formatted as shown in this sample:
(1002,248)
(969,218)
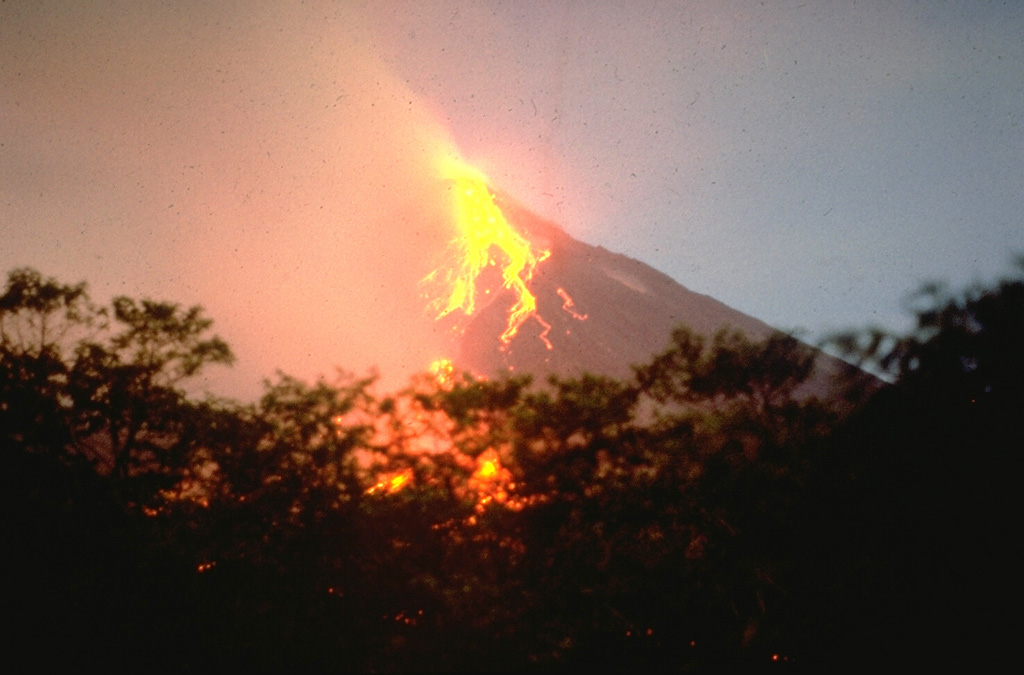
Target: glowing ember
(443,372)
(544,333)
(488,469)
(493,484)
(569,306)
(391,485)
(485,238)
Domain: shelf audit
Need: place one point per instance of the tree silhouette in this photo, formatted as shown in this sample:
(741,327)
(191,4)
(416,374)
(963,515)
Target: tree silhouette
(40,320)
(932,457)
(94,429)
(101,383)
(709,512)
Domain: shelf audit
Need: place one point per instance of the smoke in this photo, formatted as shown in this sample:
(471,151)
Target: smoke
(257,160)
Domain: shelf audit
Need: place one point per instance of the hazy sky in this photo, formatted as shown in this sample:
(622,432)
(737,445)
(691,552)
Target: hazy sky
(809,163)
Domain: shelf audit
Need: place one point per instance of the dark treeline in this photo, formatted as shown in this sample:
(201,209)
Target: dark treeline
(707,513)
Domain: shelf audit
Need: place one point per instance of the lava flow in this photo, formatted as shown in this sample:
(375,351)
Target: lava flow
(485,238)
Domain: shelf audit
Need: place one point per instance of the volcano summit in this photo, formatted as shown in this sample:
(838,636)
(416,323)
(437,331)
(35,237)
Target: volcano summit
(596,311)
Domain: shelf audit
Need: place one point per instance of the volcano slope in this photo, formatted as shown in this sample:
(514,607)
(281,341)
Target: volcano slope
(622,314)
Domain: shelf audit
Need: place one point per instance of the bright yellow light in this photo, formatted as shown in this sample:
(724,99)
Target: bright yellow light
(488,469)
(443,372)
(397,482)
(485,238)
(391,485)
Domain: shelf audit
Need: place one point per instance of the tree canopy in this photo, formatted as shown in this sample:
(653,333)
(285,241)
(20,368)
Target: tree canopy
(708,512)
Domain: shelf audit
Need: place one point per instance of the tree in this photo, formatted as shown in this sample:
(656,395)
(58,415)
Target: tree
(764,374)
(933,457)
(90,413)
(41,322)
(104,383)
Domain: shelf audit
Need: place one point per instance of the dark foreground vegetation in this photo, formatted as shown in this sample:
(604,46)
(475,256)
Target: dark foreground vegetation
(702,515)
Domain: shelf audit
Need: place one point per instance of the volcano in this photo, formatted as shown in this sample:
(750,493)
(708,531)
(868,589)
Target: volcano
(598,312)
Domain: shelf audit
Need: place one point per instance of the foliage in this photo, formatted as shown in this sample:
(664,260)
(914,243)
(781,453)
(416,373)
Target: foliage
(100,383)
(933,459)
(707,513)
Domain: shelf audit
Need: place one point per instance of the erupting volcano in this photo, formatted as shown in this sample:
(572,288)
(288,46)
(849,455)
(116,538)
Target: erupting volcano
(526,298)
(482,228)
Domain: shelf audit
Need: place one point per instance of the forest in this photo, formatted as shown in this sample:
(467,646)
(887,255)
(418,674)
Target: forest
(706,513)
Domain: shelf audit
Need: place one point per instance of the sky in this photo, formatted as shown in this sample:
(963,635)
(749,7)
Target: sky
(808,163)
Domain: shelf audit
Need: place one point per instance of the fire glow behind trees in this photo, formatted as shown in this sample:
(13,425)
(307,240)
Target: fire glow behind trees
(700,515)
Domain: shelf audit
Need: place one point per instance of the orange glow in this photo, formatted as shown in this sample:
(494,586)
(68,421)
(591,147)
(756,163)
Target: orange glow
(391,485)
(488,469)
(398,481)
(443,372)
(485,239)
(544,333)
(407,618)
(569,306)
(493,484)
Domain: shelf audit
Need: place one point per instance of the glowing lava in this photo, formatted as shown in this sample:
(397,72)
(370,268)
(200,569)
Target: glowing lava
(443,371)
(569,306)
(485,238)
